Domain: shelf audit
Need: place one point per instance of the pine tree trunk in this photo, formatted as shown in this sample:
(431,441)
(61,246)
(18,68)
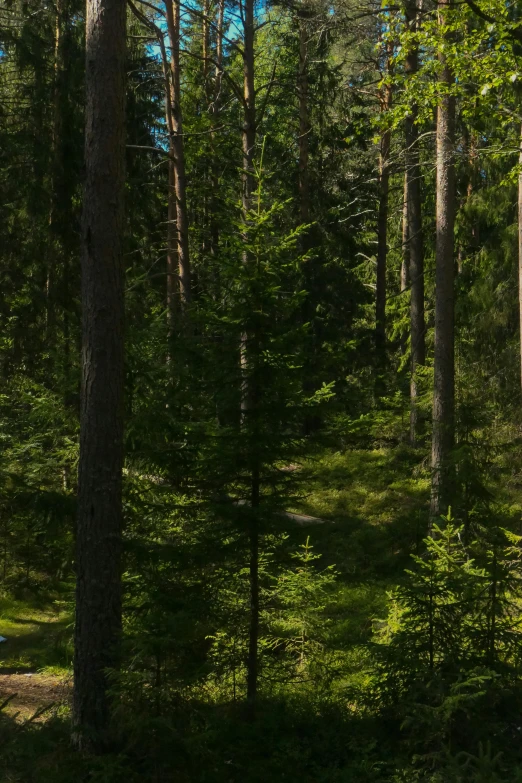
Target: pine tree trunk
(304,124)
(57,167)
(405,264)
(172,231)
(206,242)
(416,243)
(172,213)
(172,254)
(520,250)
(182,224)
(249,109)
(206,50)
(249,397)
(444,353)
(98,590)
(382,253)
(215,110)
(312,421)
(382,236)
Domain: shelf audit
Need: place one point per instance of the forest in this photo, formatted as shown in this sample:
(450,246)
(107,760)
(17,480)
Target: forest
(260,391)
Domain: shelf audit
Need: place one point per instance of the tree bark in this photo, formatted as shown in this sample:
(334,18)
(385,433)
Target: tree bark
(405,264)
(206,50)
(98,590)
(249,106)
(416,243)
(172,8)
(215,109)
(520,250)
(172,255)
(172,231)
(304,124)
(444,353)
(310,271)
(382,234)
(55,243)
(249,358)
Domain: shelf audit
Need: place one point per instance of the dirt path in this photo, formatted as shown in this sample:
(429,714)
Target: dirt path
(29,694)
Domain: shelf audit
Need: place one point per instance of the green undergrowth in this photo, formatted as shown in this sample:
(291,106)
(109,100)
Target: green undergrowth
(39,637)
(375,507)
(325,727)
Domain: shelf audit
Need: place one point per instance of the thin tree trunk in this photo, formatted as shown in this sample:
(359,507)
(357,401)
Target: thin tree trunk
(249,400)
(444,354)
(405,264)
(473,158)
(382,252)
(172,233)
(253,636)
(56,165)
(382,235)
(416,243)
(520,249)
(215,109)
(304,124)
(206,50)
(206,241)
(311,421)
(172,254)
(172,8)
(98,589)
(249,107)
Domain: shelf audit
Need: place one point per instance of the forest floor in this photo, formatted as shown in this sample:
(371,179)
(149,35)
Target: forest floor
(374,503)
(372,506)
(363,510)
(366,514)
(34,659)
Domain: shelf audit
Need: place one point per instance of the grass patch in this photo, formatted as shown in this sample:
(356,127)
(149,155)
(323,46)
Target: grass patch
(38,639)
(377,502)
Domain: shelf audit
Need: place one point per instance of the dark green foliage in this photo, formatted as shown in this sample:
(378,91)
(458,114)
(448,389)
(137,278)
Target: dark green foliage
(432,693)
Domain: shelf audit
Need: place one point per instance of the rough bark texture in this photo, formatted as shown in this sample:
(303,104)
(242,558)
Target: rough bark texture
(416,243)
(444,353)
(173,26)
(98,591)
